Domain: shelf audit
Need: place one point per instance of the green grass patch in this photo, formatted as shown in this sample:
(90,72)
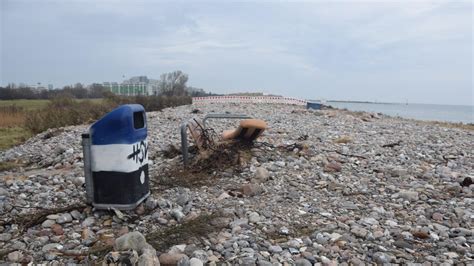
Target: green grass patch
(12,136)
(26,104)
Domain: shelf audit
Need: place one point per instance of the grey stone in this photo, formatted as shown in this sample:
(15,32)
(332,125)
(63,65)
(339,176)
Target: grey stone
(381,258)
(261,175)
(195,262)
(133,240)
(76,214)
(184,261)
(15,256)
(3,192)
(303,262)
(275,249)
(4,237)
(177,214)
(359,231)
(47,223)
(51,246)
(89,221)
(254,217)
(408,195)
(64,218)
(200,254)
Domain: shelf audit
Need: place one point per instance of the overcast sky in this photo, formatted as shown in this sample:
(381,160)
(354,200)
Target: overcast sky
(420,51)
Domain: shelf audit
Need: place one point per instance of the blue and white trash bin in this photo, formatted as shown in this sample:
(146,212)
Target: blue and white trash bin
(116,159)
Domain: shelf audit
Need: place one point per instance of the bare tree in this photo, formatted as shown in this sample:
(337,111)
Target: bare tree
(173,84)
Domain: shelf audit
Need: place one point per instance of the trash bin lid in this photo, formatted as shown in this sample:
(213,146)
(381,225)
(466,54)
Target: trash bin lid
(124,125)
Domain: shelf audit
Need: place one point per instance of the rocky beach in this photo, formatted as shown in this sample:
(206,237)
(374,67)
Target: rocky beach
(320,187)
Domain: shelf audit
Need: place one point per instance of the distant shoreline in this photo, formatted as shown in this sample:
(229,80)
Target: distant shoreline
(340,101)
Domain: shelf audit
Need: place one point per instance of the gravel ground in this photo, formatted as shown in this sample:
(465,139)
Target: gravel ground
(321,187)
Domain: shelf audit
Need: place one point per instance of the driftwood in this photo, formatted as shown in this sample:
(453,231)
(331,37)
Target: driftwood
(391,145)
(351,155)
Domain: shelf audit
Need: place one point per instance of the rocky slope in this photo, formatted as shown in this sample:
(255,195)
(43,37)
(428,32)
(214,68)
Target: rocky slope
(327,187)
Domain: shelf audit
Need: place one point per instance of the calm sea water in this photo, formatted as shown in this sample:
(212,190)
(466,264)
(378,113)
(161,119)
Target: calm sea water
(433,112)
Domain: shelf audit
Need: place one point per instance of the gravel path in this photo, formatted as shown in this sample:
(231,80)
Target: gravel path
(327,187)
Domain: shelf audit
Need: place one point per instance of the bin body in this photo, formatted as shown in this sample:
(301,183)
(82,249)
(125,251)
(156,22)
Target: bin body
(119,159)
(313,105)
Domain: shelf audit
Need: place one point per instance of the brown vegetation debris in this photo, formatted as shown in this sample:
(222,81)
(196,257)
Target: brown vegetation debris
(182,233)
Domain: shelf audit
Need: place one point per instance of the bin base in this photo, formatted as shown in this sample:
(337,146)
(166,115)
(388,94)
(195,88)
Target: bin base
(121,206)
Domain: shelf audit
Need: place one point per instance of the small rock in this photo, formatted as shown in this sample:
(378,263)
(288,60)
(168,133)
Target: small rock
(284,230)
(465,183)
(47,223)
(151,203)
(223,196)
(303,262)
(4,237)
(251,189)
(57,229)
(3,192)
(148,258)
(254,217)
(261,175)
(334,236)
(51,246)
(121,258)
(140,210)
(78,181)
(195,262)
(177,214)
(88,222)
(275,249)
(133,240)
(381,257)
(437,216)
(332,167)
(201,255)
(359,231)
(64,218)
(184,261)
(183,197)
(15,256)
(76,214)
(170,259)
(460,240)
(421,234)
(408,195)
(452,255)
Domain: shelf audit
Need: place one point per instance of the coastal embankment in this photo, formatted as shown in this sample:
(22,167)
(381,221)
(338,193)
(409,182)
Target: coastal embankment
(320,186)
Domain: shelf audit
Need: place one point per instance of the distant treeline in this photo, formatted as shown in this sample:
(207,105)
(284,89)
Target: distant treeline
(78,91)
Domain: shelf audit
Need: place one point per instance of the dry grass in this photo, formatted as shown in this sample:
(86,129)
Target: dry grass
(12,119)
(12,116)
(182,233)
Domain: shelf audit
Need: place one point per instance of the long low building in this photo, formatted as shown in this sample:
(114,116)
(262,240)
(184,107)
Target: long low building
(127,89)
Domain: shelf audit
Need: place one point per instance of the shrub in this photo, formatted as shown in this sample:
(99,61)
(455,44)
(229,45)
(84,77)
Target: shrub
(11,116)
(65,111)
(150,103)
